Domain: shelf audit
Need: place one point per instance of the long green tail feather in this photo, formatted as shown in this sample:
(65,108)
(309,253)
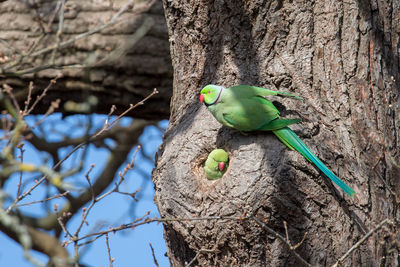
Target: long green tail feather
(289,138)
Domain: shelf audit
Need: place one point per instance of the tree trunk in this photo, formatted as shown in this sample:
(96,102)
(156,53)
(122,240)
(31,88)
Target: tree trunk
(116,67)
(343,58)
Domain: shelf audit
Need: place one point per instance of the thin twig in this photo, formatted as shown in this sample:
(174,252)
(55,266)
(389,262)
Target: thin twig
(40,21)
(28,99)
(53,106)
(20,147)
(19,60)
(143,220)
(60,3)
(43,94)
(53,15)
(288,240)
(43,200)
(121,178)
(75,238)
(122,50)
(133,195)
(381,178)
(40,68)
(301,242)
(113,20)
(282,238)
(86,211)
(85,243)
(109,252)
(112,109)
(198,254)
(6,125)
(13,48)
(365,237)
(8,89)
(107,126)
(213,250)
(286,231)
(154,255)
(67,233)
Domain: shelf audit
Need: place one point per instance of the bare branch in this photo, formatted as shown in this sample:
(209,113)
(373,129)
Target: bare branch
(28,99)
(143,220)
(288,240)
(107,125)
(60,4)
(203,250)
(109,252)
(20,147)
(113,20)
(365,237)
(85,212)
(43,200)
(121,179)
(40,97)
(283,239)
(8,90)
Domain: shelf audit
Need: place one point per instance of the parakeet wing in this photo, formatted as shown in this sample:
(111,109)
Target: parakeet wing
(248,91)
(248,113)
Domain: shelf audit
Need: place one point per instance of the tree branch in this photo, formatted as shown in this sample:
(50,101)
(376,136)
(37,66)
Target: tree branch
(365,237)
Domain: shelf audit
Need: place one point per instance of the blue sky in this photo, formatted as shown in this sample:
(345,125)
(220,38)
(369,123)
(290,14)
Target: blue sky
(128,247)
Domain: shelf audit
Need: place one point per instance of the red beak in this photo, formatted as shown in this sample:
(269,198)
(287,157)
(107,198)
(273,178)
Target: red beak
(221,166)
(201,98)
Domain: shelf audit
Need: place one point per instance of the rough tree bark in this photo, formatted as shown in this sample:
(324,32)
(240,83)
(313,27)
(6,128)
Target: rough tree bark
(116,70)
(343,58)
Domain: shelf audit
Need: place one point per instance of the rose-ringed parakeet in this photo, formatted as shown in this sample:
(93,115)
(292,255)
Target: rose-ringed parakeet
(216,164)
(245,108)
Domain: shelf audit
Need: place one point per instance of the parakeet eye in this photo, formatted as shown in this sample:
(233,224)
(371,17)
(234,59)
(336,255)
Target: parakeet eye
(209,92)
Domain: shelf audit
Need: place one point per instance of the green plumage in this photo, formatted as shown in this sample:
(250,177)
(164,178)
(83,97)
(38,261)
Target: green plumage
(211,166)
(245,108)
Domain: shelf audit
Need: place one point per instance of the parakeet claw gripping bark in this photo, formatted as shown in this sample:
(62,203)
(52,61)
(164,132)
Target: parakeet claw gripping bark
(245,108)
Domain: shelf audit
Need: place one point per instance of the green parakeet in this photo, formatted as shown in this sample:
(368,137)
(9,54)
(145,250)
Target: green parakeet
(245,108)
(216,164)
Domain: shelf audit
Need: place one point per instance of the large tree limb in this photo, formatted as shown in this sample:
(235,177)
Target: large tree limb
(116,66)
